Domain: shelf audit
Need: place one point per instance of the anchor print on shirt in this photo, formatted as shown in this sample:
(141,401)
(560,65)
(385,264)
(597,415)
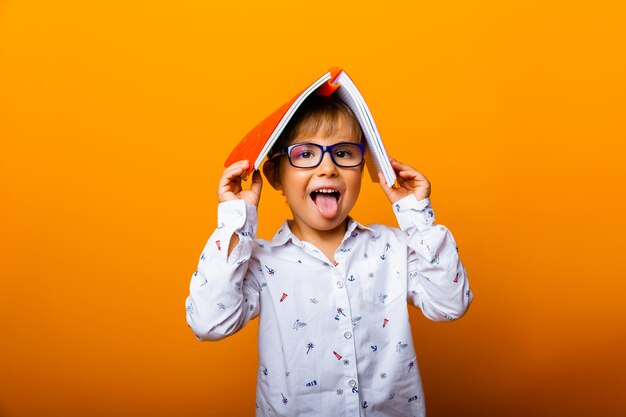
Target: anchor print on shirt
(309,346)
(284,399)
(384,255)
(270,270)
(339,312)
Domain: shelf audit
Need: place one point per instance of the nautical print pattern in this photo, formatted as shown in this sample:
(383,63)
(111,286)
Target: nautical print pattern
(334,334)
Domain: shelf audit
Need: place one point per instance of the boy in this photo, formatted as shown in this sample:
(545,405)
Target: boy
(334,332)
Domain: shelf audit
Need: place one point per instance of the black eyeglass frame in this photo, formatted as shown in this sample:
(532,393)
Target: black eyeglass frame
(324,149)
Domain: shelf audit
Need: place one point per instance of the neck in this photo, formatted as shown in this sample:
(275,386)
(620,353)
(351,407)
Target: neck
(325,240)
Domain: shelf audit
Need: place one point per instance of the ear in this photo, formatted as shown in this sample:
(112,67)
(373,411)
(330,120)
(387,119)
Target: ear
(270,169)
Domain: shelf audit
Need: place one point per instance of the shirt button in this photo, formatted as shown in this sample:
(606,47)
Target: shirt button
(339,284)
(352,383)
(347,335)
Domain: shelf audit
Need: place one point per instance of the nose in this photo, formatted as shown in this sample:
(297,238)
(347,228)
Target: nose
(327,166)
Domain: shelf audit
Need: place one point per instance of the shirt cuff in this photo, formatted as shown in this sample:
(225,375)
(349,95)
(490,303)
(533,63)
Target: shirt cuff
(412,213)
(237,215)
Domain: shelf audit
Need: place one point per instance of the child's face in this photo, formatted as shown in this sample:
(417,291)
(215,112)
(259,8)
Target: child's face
(314,210)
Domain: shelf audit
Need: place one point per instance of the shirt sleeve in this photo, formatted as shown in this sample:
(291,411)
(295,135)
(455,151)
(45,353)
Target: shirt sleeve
(437,281)
(223,293)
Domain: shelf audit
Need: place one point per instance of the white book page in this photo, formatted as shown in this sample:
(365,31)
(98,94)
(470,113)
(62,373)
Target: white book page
(350,95)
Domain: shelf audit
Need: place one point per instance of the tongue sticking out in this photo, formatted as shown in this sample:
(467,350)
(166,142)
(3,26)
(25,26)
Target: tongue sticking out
(326,204)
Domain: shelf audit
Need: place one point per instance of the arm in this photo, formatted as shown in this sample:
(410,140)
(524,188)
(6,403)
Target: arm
(223,291)
(437,282)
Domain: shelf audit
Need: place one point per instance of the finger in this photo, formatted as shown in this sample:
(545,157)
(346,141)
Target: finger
(234,171)
(399,166)
(230,179)
(407,171)
(243,162)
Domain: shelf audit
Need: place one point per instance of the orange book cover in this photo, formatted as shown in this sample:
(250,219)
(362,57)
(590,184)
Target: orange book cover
(257,143)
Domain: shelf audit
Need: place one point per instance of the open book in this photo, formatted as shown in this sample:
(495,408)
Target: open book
(257,143)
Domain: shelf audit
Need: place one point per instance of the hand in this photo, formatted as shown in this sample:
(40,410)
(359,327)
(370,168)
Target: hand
(230,187)
(410,181)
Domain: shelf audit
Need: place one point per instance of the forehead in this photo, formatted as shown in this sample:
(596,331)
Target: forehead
(339,127)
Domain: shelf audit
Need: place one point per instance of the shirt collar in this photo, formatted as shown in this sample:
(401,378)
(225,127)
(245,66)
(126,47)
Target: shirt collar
(284,233)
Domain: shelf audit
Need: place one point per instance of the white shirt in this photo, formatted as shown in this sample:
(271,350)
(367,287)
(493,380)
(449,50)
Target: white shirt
(334,340)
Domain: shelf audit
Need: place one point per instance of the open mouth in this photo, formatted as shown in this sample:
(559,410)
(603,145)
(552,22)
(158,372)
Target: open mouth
(325,193)
(327,201)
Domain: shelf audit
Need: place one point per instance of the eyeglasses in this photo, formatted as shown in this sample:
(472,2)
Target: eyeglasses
(310,155)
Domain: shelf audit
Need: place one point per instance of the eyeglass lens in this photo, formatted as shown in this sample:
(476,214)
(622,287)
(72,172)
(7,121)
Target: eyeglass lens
(308,155)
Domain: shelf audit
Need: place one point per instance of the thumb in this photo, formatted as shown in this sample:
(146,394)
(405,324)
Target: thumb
(257,182)
(383,184)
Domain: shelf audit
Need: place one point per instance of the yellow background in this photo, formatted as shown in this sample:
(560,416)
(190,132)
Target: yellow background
(115,120)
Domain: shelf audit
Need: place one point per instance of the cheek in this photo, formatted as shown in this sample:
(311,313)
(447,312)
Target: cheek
(354,184)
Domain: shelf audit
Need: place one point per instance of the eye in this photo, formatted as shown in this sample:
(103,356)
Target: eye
(343,154)
(346,151)
(301,152)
